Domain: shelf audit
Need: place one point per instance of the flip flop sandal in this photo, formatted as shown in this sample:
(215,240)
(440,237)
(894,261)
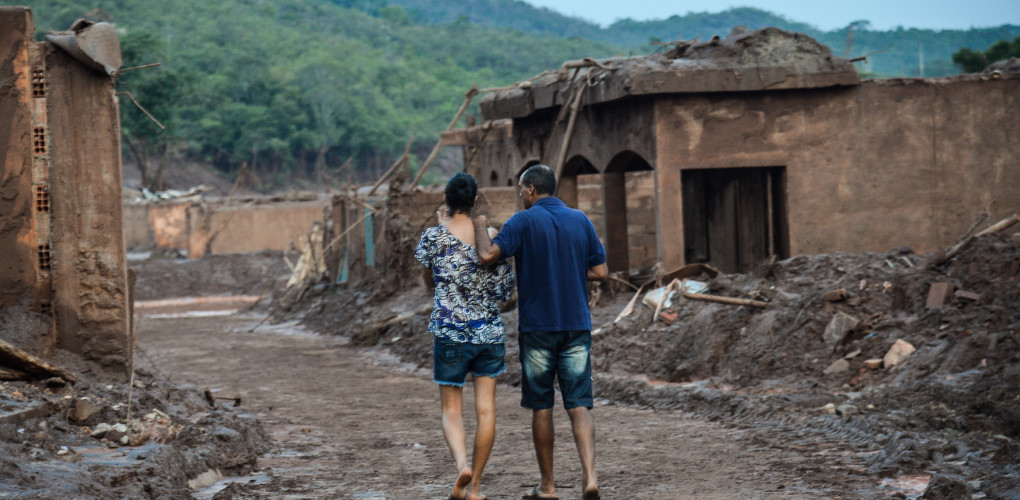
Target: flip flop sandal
(535,495)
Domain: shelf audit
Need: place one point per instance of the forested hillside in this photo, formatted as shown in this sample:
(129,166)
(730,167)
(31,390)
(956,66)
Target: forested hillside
(296,87)
(899,52)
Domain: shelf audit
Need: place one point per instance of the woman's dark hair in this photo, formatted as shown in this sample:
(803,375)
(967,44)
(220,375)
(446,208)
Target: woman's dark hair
(461,191)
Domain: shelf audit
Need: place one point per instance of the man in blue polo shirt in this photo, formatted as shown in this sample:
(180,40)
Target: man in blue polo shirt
(556,252)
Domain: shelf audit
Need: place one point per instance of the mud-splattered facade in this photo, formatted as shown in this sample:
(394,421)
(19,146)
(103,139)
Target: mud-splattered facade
(61,233)
(207,227)
(757,145)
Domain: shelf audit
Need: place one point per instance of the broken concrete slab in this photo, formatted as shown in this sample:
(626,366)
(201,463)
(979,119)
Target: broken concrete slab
(838,366)
(84,409)
(30,411)
(899,351)
(938,294)
(837,329)
(94,44)
(963,294)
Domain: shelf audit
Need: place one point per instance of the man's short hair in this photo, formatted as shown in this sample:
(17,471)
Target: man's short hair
(542,177)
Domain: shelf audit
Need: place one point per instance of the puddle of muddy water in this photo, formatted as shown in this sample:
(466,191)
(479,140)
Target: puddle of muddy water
(194,307)
(210,491)
(911,486)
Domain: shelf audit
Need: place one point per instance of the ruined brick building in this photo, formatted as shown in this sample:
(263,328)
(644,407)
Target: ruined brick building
(61,233)
(733,150)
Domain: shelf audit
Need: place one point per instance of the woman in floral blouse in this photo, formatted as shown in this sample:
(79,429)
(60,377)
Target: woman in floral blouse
(467,326)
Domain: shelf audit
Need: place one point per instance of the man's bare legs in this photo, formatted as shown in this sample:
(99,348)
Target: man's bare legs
(452,398)
(485,410)
(584,438)
(543,435)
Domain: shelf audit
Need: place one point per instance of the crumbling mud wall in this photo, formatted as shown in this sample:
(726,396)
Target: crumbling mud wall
(89,268)
(763,144)
(60,192)
(886,164)
(156,225)
(17,239)
(214,228)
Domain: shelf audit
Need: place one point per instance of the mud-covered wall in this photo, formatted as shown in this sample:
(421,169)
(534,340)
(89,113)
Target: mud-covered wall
(600,134)
(17,245)
(156,225)
(884,164)
(89,271)
(218,229)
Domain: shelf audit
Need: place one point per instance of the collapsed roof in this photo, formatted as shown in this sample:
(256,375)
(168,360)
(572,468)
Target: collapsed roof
(763,59)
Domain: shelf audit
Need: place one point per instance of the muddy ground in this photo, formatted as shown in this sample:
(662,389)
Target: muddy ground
(950,413)
(726,402)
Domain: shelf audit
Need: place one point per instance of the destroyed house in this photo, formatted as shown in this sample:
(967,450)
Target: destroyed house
(61,233)
(762,144)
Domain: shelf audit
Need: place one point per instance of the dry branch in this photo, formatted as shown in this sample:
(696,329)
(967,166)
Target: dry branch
(392,169)
(725,300)
(1000,226)
(574,108)
(468,96)
(630,305)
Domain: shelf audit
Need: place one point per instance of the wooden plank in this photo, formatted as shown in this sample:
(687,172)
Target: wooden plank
(16,358)
(938,294)
(725,300)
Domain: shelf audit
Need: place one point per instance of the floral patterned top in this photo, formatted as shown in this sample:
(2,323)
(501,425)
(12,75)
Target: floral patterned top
(466,302)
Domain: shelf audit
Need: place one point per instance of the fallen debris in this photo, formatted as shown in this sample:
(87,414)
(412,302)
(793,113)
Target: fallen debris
(725,300)
(836,295)
(837,329)
(211,399)
(94,44)
(963,294)
(25,362)
(938,293)
(838,366)
(897,353)
(943,256)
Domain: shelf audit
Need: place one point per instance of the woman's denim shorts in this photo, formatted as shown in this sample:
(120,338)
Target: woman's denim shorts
(451,361)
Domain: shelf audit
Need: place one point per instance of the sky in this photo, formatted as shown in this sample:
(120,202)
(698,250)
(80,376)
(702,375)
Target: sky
(883,14)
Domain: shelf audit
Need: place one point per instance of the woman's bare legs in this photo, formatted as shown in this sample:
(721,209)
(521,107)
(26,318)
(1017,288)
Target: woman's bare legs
(452,398)
(485,410)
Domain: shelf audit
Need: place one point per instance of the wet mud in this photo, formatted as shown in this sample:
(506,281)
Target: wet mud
(949,413)
(725,402)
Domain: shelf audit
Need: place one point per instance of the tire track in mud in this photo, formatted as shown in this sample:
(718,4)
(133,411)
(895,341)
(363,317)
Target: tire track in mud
(355,423)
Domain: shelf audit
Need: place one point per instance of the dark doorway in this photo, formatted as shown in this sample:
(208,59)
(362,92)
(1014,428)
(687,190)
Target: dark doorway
(735,218)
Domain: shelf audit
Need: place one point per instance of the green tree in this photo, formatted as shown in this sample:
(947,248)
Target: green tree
(160,92)
(972,61)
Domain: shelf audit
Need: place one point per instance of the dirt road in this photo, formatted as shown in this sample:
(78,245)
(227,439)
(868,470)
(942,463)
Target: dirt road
(355,423)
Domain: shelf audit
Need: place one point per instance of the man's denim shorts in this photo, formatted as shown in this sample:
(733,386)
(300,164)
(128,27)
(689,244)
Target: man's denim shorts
(451,361)
(546,356)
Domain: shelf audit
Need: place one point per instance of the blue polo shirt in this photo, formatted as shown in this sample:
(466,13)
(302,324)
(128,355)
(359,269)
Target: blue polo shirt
(553,246)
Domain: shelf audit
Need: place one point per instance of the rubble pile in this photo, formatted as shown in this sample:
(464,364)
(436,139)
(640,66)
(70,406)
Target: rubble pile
(910,366)
(80,440)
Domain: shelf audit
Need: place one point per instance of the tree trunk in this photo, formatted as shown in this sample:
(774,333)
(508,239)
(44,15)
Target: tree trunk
(159,183)
(141,159)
